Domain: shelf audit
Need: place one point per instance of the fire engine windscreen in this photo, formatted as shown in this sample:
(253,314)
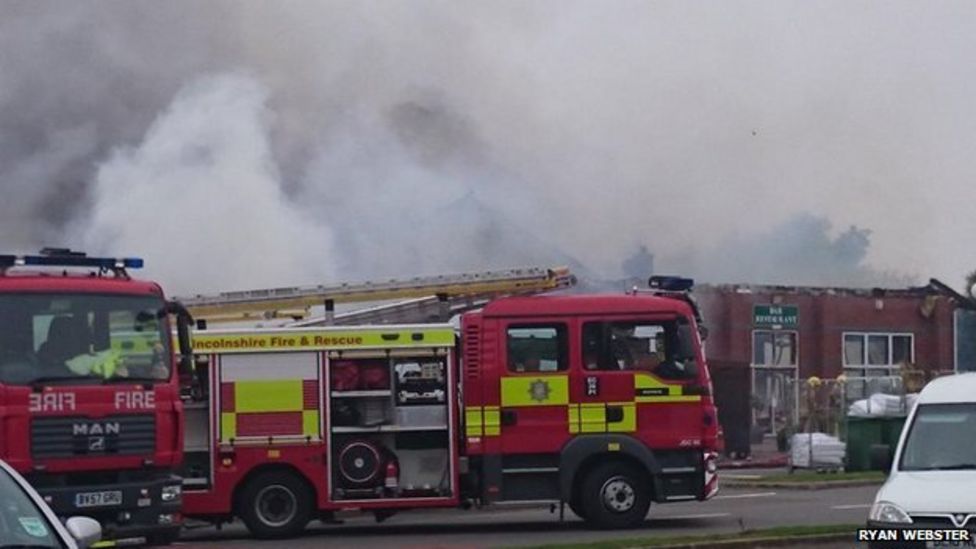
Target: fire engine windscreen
(73,337)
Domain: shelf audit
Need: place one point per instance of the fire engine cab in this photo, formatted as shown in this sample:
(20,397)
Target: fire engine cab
(90,411)
(601,402)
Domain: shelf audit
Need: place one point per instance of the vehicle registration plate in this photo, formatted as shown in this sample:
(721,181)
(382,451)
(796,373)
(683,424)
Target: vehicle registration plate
(98,499)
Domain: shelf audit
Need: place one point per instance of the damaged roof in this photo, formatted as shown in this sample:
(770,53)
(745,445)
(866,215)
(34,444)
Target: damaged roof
(934,287)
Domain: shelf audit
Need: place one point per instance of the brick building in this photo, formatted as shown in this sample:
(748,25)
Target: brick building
(764,340)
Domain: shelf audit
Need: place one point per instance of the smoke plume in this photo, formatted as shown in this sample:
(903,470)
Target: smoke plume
(203,191)
(241,145)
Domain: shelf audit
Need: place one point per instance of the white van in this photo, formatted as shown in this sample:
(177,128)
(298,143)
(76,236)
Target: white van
(27,521)
(932,483)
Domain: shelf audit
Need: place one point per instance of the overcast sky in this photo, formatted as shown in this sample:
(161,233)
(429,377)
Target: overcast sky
(246,144)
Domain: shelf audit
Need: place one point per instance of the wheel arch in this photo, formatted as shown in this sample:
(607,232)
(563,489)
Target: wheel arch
(269,468)
(586,451)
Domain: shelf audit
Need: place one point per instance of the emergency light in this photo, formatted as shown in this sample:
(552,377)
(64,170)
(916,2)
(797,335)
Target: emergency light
(62,257)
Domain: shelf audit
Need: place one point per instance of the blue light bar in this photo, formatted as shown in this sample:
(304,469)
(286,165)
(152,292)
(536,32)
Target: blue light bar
(71,259)
(671,283)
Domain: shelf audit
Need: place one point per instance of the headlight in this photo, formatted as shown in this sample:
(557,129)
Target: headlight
(884,511)
(172,493)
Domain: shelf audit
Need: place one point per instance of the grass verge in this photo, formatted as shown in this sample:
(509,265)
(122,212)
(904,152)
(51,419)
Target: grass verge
(765,534)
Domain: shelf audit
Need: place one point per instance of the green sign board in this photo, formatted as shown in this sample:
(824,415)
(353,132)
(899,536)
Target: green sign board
(778,316)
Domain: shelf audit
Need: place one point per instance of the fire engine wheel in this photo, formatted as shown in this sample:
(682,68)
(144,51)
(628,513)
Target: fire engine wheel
(615,495)
(276,504)
(576,507)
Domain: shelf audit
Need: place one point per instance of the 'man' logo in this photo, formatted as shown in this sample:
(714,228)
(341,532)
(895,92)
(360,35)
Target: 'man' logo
(95,428)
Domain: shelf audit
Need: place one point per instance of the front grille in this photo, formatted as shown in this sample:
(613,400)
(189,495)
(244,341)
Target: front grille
(81,436)
(966,520)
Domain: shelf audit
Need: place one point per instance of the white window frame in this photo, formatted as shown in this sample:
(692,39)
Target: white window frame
(888,366)
(752,346)
(790,370)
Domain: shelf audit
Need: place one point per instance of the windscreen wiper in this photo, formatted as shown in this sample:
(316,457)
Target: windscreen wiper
(956,467)
(132,379)
(51,379)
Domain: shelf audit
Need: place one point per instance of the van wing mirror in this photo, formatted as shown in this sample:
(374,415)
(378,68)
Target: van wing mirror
(86,531)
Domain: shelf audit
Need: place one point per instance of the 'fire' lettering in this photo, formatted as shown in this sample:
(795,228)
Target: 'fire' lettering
(52,402)
(135,400)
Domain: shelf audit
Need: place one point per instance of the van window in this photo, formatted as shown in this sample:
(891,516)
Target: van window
(22,523)
(941,438)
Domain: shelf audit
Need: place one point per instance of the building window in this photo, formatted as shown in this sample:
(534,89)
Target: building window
(537,348)
(774,348)
(878,350)
(878,356)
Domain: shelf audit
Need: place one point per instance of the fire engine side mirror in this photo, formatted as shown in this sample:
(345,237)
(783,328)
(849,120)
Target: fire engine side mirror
(183,322)
(686,352)
(685,339)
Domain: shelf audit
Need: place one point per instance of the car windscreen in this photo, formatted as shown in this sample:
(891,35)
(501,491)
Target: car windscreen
(22,523)
(941,439)
(82,338)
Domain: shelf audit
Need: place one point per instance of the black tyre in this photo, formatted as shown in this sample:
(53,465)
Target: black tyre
(576,507)
(615,495)
(276,504)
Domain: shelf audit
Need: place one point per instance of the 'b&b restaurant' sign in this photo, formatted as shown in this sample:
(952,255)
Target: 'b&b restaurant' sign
(776,316)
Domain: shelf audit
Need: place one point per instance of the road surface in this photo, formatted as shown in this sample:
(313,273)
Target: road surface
(731,511)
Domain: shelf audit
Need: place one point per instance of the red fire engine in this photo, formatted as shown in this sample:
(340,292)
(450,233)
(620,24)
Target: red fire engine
(90,411)
(601,402)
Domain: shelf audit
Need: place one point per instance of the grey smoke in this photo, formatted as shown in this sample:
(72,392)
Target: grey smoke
(800,251)
(202,192)
(246,144)
(639,265)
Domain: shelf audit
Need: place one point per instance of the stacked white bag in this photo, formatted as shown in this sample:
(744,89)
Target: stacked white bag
(827,452)
(882,405)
